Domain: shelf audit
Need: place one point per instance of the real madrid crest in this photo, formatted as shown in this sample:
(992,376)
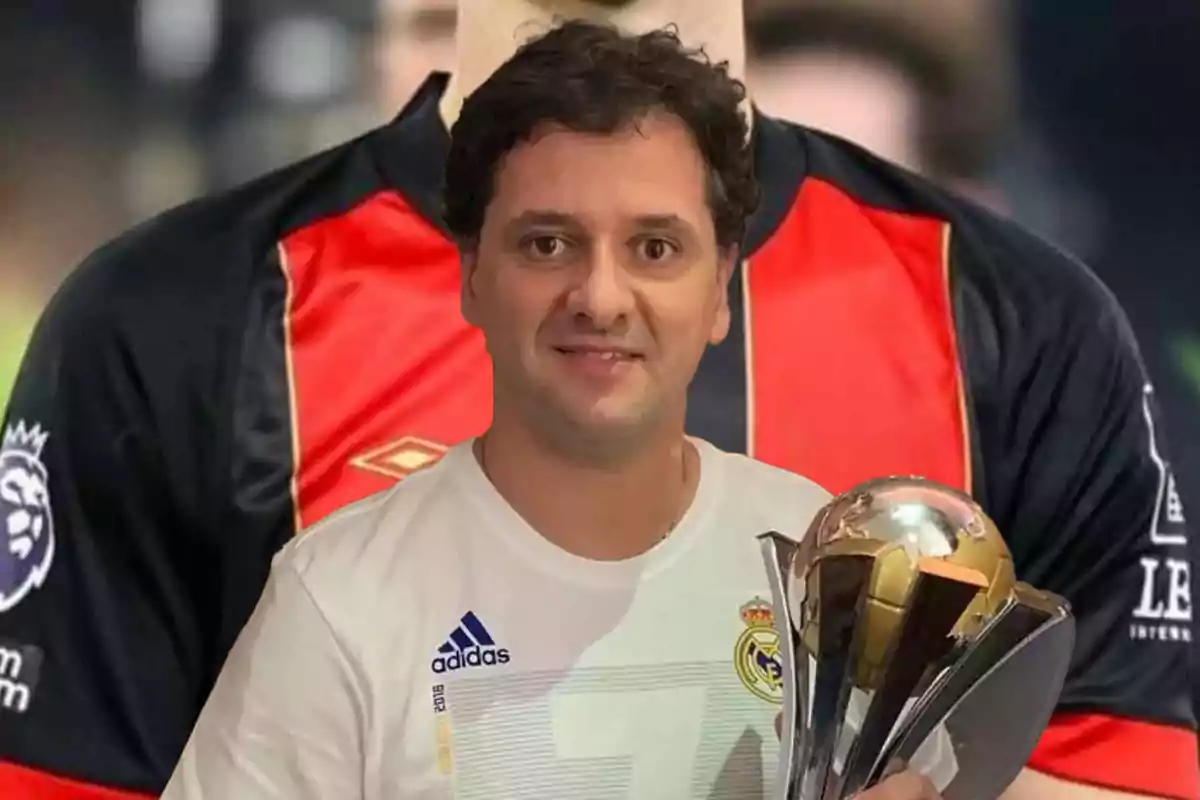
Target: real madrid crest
(756,654)
(27,549)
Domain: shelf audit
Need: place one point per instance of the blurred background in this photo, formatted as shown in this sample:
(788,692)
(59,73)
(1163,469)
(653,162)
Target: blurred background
(1077,117)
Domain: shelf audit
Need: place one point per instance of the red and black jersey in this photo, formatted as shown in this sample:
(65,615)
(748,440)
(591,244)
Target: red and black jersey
(237,368)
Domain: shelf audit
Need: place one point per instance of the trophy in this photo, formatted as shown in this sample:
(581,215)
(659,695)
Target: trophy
(906,640)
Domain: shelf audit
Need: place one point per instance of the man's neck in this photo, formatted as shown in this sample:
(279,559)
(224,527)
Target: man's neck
(489,32)
(604,512)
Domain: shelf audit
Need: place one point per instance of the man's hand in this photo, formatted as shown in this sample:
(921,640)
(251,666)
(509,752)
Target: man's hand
(902,786)
(906,785)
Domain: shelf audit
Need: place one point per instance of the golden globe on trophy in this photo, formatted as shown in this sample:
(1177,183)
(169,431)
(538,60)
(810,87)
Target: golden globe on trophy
(906,640)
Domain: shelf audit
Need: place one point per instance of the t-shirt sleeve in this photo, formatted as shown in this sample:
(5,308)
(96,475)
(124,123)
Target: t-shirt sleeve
(1077,477)
(285,719)
(101,656)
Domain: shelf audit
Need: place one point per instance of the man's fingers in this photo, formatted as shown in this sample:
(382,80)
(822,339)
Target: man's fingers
(899,783)
(906,785)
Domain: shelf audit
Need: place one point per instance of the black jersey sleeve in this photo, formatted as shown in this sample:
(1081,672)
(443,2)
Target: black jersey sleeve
(102,490)
(1070,460)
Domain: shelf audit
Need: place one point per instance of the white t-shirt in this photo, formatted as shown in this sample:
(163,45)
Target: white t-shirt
(427,643)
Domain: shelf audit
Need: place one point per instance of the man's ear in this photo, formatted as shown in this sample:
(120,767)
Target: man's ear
(725,266)
(468,257)
(727,260)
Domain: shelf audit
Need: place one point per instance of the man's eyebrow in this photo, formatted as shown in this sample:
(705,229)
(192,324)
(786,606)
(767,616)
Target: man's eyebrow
(662,222)
(537,216)
(560,219)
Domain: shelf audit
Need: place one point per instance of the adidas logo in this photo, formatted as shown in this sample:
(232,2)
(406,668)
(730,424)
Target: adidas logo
(469,645)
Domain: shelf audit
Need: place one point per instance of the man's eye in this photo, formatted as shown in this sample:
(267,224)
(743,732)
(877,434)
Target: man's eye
(545,246)
(656,249)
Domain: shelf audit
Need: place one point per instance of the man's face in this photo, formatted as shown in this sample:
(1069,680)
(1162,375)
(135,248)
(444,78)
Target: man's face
(414,38)
(597,279)
(858,98)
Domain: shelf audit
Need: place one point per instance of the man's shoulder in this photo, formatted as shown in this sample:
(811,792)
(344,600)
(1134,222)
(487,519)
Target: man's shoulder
(1015,294)
(194,256)
(744,471)
(998,259)
(176,293)
(770,491)
(374,537)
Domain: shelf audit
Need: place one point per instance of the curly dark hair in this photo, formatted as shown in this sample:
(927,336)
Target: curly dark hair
(591,78)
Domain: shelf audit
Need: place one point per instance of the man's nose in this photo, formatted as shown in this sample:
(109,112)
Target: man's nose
(602,291)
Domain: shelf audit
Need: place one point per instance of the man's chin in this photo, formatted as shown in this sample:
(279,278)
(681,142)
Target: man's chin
(606,429)
(611,422)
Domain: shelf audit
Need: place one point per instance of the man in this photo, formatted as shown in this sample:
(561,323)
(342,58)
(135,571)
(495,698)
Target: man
(412,39)
(922,84)
(570,572)
(239,368)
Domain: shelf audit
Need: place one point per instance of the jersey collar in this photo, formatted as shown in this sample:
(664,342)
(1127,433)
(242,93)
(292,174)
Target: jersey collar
(411,149)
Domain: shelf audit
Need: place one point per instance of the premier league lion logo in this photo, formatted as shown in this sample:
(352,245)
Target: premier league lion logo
(27,546)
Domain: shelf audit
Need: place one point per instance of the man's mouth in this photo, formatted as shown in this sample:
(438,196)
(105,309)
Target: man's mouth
(600,353)
(598,365)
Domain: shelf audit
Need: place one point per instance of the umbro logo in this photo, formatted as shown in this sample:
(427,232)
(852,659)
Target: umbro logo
(401,458)
(469,645)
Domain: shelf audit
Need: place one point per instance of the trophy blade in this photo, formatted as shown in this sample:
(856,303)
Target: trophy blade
(995,727)
(843,585)
(1020,659)
(778,552)
(938,598)
(1001,634)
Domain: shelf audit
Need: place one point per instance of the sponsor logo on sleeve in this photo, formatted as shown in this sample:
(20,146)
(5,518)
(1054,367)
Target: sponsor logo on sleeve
(1164,609)
(27,550)
(20,666)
